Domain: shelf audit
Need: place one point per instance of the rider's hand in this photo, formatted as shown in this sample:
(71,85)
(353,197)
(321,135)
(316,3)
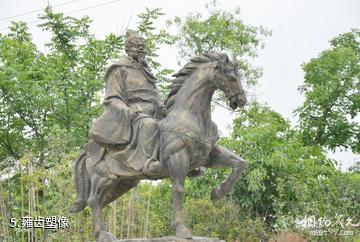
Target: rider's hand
(133,114)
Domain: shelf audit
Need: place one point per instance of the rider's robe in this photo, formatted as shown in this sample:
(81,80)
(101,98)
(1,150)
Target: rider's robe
(130,142)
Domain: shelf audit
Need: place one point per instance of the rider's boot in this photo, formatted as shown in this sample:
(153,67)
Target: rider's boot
(152,167)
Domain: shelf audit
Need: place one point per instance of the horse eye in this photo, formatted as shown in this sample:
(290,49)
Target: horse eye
(231,76)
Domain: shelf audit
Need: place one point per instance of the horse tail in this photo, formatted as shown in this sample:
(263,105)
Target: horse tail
(82,183)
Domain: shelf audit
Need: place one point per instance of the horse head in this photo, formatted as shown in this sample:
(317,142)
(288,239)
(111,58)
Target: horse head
(227,78)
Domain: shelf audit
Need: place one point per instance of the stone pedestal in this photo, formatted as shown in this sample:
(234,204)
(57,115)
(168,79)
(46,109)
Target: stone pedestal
(108,237)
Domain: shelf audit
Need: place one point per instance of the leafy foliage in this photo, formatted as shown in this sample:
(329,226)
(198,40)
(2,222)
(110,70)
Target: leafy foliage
(284,179)
(41,92)
(330,114)
(281,171)
(154,40)
(221,31)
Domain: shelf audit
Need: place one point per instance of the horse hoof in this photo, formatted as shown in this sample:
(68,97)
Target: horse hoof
(183,232)
(216,195)
(96,234)
(96,231)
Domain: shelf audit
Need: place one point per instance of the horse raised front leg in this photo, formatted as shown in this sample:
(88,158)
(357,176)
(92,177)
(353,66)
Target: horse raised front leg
(221,157)
(178,165)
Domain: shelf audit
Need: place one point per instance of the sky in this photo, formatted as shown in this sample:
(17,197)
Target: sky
(300,29)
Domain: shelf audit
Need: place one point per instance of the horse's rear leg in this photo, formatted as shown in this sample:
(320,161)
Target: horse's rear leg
(221,157)
(178,165)
(98,185)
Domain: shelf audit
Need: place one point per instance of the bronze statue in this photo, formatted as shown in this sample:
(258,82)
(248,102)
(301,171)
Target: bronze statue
(128,143)
(132,104)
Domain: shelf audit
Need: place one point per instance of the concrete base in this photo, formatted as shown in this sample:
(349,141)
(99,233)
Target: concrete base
(173,239)
(108,237)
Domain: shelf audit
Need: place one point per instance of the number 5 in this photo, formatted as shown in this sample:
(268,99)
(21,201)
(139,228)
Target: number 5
(12,222)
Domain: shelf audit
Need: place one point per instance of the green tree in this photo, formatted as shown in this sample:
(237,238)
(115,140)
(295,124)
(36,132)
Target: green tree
(355,168)
(75,67)
(221,31)
(283,175)
(282,172)
(19,117)
(39,92)
(329,115)
(154,40)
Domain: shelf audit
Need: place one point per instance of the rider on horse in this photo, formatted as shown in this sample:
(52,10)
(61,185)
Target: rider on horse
(132,103)
(129,135)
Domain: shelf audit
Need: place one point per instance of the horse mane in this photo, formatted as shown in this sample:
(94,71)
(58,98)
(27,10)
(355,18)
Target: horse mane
(186,71)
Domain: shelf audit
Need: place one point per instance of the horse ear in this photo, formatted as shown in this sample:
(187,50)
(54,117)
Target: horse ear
(224,57)
(222,62)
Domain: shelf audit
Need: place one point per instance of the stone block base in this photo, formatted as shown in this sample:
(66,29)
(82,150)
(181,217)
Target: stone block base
(108,237)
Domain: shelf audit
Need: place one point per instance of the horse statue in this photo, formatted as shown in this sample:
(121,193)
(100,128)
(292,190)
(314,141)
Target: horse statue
(187,142)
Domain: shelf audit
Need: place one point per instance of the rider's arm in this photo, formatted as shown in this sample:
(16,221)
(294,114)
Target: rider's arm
(115,93)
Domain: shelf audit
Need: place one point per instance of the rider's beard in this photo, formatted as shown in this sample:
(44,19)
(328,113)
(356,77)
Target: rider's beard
(142,60)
